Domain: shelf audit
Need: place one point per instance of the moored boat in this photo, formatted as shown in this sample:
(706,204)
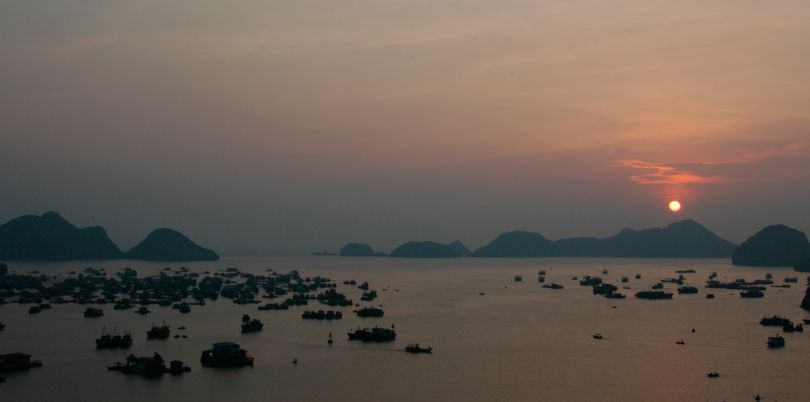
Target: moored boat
(226,354)
(375,334)
(415,348)
(776,341)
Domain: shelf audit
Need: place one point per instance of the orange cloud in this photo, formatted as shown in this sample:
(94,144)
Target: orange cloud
(666,174)
(678,173)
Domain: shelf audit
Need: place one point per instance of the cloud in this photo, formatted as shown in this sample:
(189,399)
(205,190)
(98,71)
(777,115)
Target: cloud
(666,173)
(691,173)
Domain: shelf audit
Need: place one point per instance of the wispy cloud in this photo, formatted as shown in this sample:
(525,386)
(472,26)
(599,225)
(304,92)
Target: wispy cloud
(659,173)
(691,173)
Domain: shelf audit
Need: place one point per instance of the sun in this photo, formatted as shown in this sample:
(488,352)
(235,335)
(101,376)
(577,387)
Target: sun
(674,206)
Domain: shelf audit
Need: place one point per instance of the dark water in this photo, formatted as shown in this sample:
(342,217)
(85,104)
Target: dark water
(517,342)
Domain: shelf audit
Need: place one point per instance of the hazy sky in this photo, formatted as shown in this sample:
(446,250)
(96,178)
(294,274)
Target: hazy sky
(288,126)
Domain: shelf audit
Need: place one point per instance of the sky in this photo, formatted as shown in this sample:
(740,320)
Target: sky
(285,127)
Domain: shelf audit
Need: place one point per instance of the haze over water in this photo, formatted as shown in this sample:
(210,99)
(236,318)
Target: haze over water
(517,342)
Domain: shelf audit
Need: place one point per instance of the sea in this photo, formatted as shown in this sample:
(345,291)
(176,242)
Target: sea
(493,338)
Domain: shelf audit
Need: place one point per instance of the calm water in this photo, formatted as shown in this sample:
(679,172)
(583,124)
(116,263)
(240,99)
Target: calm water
(517,342)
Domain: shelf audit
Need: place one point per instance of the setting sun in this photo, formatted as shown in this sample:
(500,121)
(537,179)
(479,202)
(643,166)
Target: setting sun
(674,206)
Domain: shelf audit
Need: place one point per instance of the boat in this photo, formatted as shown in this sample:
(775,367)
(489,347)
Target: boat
(2,326)
(17,362)
(330,341)
(775,321)
(415,348)
(776,341)
(553,286)
(93,312)
(110,341)
(713,374)
(375,334)
(274,306)
(161,332)
(625,279)
(249,325)
(685,271)
(321,315)
(518,278)
(680,342)
(597,336)
(541,279)
(153,366)
(590,281)
(687,290)
(369,312)
(226,354)
(34,310)
(638,276)
(658,285)
(710,295)
(615,295)
(653,295)
(752,294)
(184,308)
(143,310)
(806,321)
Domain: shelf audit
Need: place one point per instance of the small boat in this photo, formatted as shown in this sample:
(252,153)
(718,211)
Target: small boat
(369,312)
(226,354)
(553,286)
(2,326)
(710,295)
(415,348)
(375,334)
(249,325)
(713,374)
(142,310)
(17,362)
(93,312)
(776,341)
(161,332)
(34,310)
(330,341)
(680,342)
(597,336)
(108,341)
(752,294)
(518,278)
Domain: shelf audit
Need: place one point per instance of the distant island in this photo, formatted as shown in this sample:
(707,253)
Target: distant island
(684,239)
(774,246)
(359,250)
(51,237)
(460,248)
(169,245)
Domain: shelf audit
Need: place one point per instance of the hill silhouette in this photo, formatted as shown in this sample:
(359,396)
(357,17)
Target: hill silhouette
(459,247)
(684,239)
(359,250)
(773,246)
(424,249)
(52,238)
(169,245)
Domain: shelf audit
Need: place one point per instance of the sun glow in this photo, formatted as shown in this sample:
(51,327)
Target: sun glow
(674,206)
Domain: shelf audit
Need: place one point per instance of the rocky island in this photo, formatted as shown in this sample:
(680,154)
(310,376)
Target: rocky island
(170,245)
(52,238)
(773,246)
